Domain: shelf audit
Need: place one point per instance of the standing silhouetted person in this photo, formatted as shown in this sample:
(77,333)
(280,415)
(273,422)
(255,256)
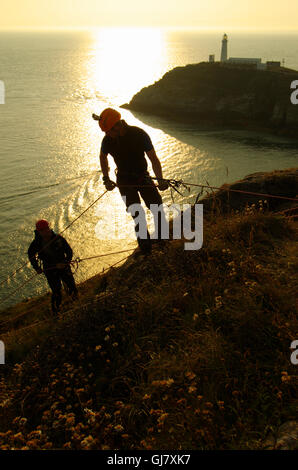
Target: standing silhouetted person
(55,254)
(128,145)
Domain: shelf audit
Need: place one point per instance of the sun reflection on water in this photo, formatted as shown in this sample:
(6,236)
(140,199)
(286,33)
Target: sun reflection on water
(125,60)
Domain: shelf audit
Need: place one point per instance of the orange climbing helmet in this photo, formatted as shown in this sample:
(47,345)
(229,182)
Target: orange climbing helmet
(108,118)
(42,224)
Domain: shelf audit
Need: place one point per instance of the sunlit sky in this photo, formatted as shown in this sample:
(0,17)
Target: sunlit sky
(213,14)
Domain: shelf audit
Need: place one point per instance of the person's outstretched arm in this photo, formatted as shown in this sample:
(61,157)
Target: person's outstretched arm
(32,252)
(103,158)
(67,250)
(156,166)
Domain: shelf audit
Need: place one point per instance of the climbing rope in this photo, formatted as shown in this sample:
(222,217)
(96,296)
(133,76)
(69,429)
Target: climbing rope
(51,241)
(11,320)
(174,185)
(177,183)
(71,263)
(19,287)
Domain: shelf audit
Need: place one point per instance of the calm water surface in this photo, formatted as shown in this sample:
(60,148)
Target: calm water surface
(49,144)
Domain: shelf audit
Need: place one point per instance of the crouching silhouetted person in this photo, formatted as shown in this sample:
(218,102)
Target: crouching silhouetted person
(55,254)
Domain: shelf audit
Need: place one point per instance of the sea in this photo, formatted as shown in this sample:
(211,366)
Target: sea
(49,143)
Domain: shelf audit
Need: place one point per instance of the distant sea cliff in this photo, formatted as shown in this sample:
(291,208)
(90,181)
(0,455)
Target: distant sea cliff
(223,95)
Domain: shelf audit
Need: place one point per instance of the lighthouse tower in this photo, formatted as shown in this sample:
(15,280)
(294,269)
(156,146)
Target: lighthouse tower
(224,49)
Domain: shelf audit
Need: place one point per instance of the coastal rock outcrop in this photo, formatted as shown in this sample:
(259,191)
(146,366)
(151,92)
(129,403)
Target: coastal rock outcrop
(218,94)
(276,183)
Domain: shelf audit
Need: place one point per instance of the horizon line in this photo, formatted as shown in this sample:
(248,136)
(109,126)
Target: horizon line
(133,27)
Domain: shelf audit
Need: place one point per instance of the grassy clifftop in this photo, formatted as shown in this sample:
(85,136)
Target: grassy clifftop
(183,350)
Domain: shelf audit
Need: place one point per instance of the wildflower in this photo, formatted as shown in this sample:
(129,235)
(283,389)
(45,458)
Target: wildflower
(162,417)
(106,338)
(70,421)
(37,433)
(119,428)
(285,377)
(190,375)
(195,316)
(181,401)
(146,396)
(107,329)
(160,383)
(207,311)
(98,348)
(115,345)
(87,442)
(192,389)
(169,382)
(155,412)
(125,436)
(33,443)
(48,445)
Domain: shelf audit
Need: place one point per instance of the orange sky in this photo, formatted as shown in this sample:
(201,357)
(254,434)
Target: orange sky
(216,14)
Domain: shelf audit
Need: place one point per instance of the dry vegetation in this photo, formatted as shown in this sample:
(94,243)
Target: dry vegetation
(183,350)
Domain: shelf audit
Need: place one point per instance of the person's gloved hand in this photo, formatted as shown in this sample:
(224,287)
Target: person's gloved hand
(39,271)
(109,184)
(163,185)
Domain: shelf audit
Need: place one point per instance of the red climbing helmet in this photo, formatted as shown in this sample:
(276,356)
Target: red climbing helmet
(42,224)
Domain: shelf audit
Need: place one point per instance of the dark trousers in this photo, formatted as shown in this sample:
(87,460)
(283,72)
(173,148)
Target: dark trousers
(132,189)
(54,278)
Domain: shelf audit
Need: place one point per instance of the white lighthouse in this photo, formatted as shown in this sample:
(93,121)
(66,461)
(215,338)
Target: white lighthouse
(224,48)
